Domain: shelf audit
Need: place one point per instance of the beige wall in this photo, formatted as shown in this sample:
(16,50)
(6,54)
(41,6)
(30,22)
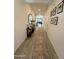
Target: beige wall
(20,22)
(55,33)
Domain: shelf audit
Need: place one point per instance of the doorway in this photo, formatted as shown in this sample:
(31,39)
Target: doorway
(39,20)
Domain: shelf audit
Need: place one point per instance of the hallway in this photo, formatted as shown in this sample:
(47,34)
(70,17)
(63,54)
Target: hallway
(44,20)
(36,47)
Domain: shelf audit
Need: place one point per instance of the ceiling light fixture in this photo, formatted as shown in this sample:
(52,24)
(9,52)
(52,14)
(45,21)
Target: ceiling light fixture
(39,9)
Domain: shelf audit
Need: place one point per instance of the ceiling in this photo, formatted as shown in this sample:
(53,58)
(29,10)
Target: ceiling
(39,1)
(39,6)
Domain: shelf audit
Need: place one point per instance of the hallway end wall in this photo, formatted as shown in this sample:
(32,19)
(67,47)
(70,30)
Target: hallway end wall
(55,32)
(21,11)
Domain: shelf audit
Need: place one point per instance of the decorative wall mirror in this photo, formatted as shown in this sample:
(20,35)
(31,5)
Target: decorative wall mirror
(30,18)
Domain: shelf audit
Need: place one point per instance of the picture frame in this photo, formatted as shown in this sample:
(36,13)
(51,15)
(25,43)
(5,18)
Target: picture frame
(54,20)
(53,12)
(60,7)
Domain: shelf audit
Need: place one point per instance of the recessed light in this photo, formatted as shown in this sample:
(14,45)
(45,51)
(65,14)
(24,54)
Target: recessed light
(39,9)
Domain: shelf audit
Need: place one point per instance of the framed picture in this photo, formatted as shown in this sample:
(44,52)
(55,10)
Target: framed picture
(54,20)
(60,7)
(53,12)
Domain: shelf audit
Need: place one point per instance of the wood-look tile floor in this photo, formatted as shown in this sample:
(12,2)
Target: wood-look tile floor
(36,47)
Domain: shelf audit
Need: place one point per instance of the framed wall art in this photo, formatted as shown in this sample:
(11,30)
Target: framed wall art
(53,12)
(54,20)
(60,7)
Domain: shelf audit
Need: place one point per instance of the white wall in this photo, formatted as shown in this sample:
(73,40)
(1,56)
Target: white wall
(55,33)
(21,12)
